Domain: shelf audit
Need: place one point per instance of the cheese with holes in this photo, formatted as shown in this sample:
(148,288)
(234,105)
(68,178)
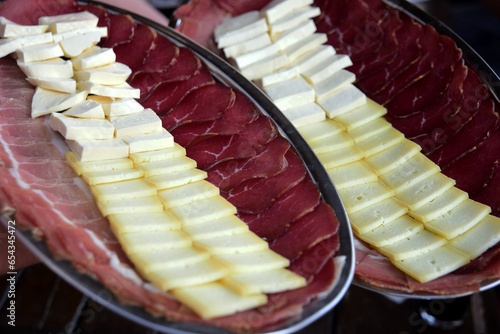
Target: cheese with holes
(340,157)
(122,190)
(440,205)
(73,128)
(413,245)
(188,193)
(375,215)
(144,222)
(363,195)
(204,210)
(98,150)
(391,232)
(425,191)
(393,156)
(352,174)
(479,238)
(380,142)
(272,281)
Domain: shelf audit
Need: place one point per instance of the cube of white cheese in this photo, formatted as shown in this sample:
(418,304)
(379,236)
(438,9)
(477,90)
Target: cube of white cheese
(80,128)
(290,93)
(237,29)
(63,85)
(145,121)
(244,60)
(265,66)
(121,107)
(39,52)
(327,67)
(279,76)
(333,83)
(295,35)
(342,101)
(86,109)
(103,32)
(293,19)
(313,57)
(76,45)
(10,45)
(305,45)
(304,115)
(143,222)
(246,46)
(123,90)
(52,68)
(98,150)
(277,9)
(66,22)
(12,29)
(48,101)
(96,58)
(150,141)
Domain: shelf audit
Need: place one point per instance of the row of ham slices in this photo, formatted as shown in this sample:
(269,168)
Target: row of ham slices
(434,98)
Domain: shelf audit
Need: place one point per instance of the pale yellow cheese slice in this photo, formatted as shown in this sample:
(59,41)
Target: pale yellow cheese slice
(361,196)
(351,174)
(432,264)
(134,205)
(271,281)
(425,191)
(380,141)
(303,115)
(175,179)
(440,205)
(167,166)
(143,222)
(150,241)
(369,129)
(187,193)
(340,157)
(361,115)
(393,156)
(258,261)
(459,219)
(81,167)
(215,300)
(342,101)
(319,130)
(123,189)
(165,154)
(414,245)
(375,215)
(204,210)
(412,171)
(391,232)
(167,258)
(333,143)
(479,238)
(114,175)
(224,226)
(236,243)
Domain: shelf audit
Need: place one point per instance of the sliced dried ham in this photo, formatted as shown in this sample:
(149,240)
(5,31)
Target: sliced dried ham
(121,30)
(141,43)
(488,194)
(16,11)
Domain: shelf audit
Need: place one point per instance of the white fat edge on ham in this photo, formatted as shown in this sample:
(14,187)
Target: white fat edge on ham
(15,170)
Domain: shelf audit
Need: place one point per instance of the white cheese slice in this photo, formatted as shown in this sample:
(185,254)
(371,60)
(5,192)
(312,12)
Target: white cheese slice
(167,166)
(392,232)
(164,154)
(98,150)
(81,167)
(63,85)
(12,29)
(380,142)
(412,171)
(392,157)
(123,190)
(225,226)
(230,244)
(332,143)
(413,245)
(305,45)
(109,176)
(272,281)
(361,115)
(112,74)
(128,206)
(304,115)
(326,68)
(479,238)
(122,107)
(80,128)
(246,59)
(425,191)
(10,45)
(352,174)
(333,83)
(143,222)
(47,101)
(66,22)
(277,9)
(340,157)
(99,60)
(459,219)
(145,121)
(258,261)
(123,90)
(313,57)
(175,179)
(149,241)
(216,300)
(188,193)
(342,101)
(265,66)
(375,215)
(320,130)
(76,45)
(240,28)
(432,264)
(369,129)
(293,19)
(247,46)
(291,93)
(440,205)
(295,35)
(103,32)
(52,68)
(279,76)
(358,197)
(150,141)
(39,52)
(204,210)
(86,109)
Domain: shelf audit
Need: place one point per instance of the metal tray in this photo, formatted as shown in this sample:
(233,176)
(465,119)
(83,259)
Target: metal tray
(225,73)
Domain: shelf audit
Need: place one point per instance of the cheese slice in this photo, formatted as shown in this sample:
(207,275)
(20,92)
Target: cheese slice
(326,68)
(147,262)
(10,45)
(332,143)
(63,85)
(81,167)
(293,19)
(143,222)
(157,155)
(127,206)
(425,191)
(361,115)
(432,264)
(254,56)
(73,128)
(47,101)
(375,215)
(414,245)
(320,130)
(112,74)
(148,241)
(294,35)
(167,166)
(11,29)
(175,179)
(333,83)
(39,52)
(479,238)
(122,107)
(312,57)
(440,205)
(51,68)
(240,28)
(215,300)
(188,193)
(230,244)
(342,101)
(225,226)
(290,93)
(123,90)
(369,129)
(295,51)
(204,210)
(363,195)
(109,176)
(67,22)
(277,9)
(88,65)
(412,171)
(103,31)
(86,109)
(266,66)
(76,45)
(393,156)
(340,157)
(98,150)
(392,232)
(459,219)
(123,190)
(258,261)
(380,142)
(303,115)
(150,141)
(279,76)
(247,46)
(145,121)
(272,281)
(352,174)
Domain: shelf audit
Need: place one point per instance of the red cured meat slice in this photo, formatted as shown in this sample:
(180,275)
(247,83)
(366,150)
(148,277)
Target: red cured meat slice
(488,194)
(201,105)
(29,133)
(100,12)
(306,232)
(38,152)
(246,144)
(431,87)
(266,163)
(256,195)
(378,270)
(435,115)
(121,30)
(331,13)
(161,56)
(166,95)
(478,128)
(233,120)
(16,10)
(141,43)
(241,6)
(291,206)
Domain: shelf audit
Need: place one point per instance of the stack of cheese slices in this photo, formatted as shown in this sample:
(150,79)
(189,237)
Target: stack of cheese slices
(173,224)
(396,198)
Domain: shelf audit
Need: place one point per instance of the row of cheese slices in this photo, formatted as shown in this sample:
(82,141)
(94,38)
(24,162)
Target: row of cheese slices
(396,198)
(176,228)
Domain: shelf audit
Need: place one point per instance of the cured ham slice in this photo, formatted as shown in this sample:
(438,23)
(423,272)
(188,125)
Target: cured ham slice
(142,42)
(121,29)
(16,10)
(488,194)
